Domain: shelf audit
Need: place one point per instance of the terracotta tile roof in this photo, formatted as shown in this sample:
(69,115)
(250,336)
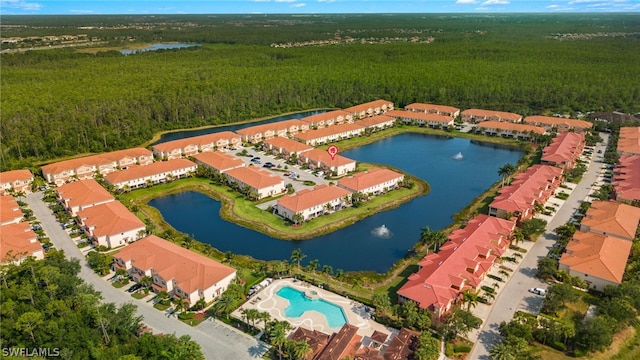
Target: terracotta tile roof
(445,274)
(290,146)
(110,219)
(626,178)
(329,115)
(255,178)
(189,270)
(507,126)
(274,126)
(329,131)
(558,121)
(96,160)
(322,156)
(444,119)
(307,198)
(598,255)
(157,168)
(367,353)
(629,140)
(343,344)
(403,345)
(83,192)
(564,148)
(379,337)
(526,188)
(611,218)
(315,339)
(492,113)
(198,141)
(369,105)
(375,120)
(9,209)
(15,175)
(367,179)
(18,239)
(431,107)
(219,161)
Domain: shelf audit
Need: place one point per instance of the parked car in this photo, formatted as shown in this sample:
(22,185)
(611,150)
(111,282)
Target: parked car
(268,165)
(538,291)
(133,288)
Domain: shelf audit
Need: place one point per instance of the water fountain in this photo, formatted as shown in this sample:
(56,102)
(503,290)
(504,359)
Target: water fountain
(458,156)
(382,232)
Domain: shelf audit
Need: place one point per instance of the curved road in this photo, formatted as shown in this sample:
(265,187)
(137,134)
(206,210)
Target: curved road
(217,340)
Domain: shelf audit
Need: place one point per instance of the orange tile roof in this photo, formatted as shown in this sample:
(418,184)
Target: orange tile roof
(274,126)
(613,218)
(219,161)
(329,115)
(367,179)
(18,239)
(522,128)
(15,175)
(564,148)
(308,198)
(526,188)
(189,270)
(198,141)
(9,209)
(368,105)
(375,120)
(322,156)
(445,119)
(629,140)
(290,146)
(95,160)
(557,121)
(403,345)
(83,192)
(317,340)
(110,219)
(598,255)
(626,178)
(329,131)
(427,107)
(343,344)
(492,113)
(139,172)
(256,178)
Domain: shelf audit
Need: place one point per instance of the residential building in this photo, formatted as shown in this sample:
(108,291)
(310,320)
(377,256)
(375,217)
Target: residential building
(286,147)
(629,141)
(403,345)
(564,150)
(321,160)
(518,199)
(342,345)
(509,130)
(316,340)
(335,117)
(626,179)
(176,270)
(461,264)
(219,162)
(17,242)
(15,180)
(111,225)
(193,145)
(372,182)
(86,167)
(612,219)
(478,115)
(376,107)
(433,109)
(422,119)
(598,259)
(83,194)
(311,203)
(558,124)
(377,122)
(286,128)
(260,183)
(10,212)
(330,134)
(159,172)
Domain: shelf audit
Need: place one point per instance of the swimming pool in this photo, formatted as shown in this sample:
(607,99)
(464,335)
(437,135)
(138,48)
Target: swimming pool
(299,303)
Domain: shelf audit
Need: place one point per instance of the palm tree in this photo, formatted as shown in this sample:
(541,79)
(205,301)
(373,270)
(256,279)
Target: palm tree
(302,349)
(470,298)
(265,317)
(297,256)
(162,296)
(121,273)
(327,270)
(502,351)
(278,336)
(505,170)
(181,304)
(297,218)
(225,305)
(200,304)
(187,241)
(313,265)
(339,273)
(146,282)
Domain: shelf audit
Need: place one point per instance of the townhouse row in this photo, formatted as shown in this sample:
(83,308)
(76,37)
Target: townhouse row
(626,179)
(15,181)
(17,239)
(629,141)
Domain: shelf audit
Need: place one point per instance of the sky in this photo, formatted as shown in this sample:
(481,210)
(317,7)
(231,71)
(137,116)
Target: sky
(75,7)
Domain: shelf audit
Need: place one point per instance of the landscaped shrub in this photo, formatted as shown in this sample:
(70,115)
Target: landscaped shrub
(186,315)
(558,346)
(462,349)
(491,276)
(488,289)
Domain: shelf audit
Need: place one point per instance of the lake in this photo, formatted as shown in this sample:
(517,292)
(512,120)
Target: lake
(155,47)
(454,184)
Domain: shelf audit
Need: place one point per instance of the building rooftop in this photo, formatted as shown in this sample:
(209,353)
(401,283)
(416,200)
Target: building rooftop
(329,131)
(138,172)
(255,178)
(492,113)
(403,345)
(428,107)
(110,219)
(308,198)
(274,126)
(9,209)
(83,192)
(598,255)
(317,340)
(17,240)
(629,140)
(367,179)
(368,105)
(507,126)
(95,160)
(329,115)
(612,218)
(558,121)
(291,146)
(374,120)
(445,119)
(219,160)
(565,147)
(342,344)
(526,188)
(198,141)
(322,156)
(15,175)
(626,178)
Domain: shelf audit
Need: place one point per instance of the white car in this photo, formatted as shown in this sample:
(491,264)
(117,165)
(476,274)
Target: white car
(538,291)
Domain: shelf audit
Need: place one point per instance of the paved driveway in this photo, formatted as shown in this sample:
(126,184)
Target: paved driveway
(514,294)
(218,341)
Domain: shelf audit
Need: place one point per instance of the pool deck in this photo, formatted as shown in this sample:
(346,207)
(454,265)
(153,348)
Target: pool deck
(355,312)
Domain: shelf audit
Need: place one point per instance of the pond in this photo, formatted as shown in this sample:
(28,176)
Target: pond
(362,246)
(155,47)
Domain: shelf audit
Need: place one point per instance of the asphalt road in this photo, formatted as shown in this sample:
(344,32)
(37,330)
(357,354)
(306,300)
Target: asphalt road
(217,340)
(514,294)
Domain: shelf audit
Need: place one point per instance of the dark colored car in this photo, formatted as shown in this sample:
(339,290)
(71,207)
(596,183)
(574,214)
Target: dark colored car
(134,288)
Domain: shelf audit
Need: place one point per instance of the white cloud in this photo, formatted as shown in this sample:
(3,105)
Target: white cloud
(574,2)
(466,2)
(326,1)
(285,1)
(82,11)
(553,6)
(298,5)
(20,4)
(496,2)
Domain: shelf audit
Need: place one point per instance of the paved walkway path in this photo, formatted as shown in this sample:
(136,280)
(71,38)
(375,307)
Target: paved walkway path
(514,295)
(217,340)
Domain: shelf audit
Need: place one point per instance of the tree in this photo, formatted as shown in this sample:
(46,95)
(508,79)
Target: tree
(470,298)
(428,347)
(547,268)
(225,305)
(313,265)
(430,237)
(327,270)
(297,218)
(460,322)
(531,227)
(297,256)
(146,282)
(181,304)
(121,274)
(302,349)
(505,171)
(381,302)
(28,322)
(502,351)
(596,333)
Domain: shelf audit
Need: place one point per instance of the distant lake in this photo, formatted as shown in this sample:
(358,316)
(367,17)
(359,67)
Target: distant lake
(454,184)
(155,47)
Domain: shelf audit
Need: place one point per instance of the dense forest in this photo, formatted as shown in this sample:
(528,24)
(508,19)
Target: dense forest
(46,306)
(62,102)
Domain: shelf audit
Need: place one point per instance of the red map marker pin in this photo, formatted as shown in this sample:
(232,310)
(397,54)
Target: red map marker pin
(333,151)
